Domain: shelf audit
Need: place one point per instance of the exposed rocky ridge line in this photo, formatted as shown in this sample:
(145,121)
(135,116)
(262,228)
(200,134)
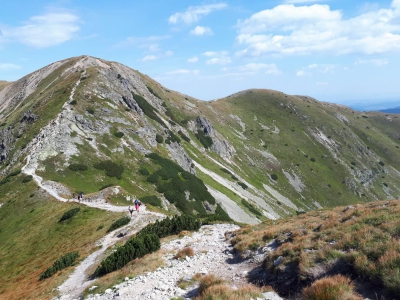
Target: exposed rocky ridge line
(14,94)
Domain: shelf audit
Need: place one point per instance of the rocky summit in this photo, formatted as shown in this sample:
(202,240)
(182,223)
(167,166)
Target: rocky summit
(98,129)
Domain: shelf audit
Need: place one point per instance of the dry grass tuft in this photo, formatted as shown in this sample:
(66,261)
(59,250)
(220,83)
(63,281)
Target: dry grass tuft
(337,287)
(187,251)
(212,287)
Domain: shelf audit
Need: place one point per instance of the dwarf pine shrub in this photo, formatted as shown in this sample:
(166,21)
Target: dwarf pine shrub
(204,139)
(27,178)
(77,167)
(119,134)
(243,185)
(112,169)
(159,139)
(152,200)
(69,214)
(147,108)
(183,136)
(174,182)
(135,247)
(14,173)
(144,171)
(119,223)
(251,208)
(61,263)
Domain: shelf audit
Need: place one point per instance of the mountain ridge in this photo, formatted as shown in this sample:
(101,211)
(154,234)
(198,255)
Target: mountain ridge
(90,125)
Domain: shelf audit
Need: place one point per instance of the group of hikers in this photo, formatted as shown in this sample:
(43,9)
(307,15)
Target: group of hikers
(137,205)
(80,196)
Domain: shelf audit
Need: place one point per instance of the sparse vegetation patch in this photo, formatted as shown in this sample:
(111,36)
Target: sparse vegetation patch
(61,263)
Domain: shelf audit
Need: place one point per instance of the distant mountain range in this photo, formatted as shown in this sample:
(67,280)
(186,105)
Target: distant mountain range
(391,105)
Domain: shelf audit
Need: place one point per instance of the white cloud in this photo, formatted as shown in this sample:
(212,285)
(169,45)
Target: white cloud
(7,66)
(302,73)
(201,30)
(301,1)
(220,58)
(193,13)
(318,29)
(250,69)
(321,84)
(149,58)
(183,72)
(193,59)
(376,62)
(45,30)
(320,68)
(267,68)
(169,53)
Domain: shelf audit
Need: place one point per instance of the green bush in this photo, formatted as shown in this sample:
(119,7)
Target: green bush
(226,171)
(183,136)
(112,169)
(152,91)
(381,163)
(152,200)
(243,185)
(27,178)
(77,167)
(175,225)
(73,134)
(172,138)
(119,134)
(61,263)
(69,214)
(159,139)
(135,247)
(174,182)
(234,177)
(353,163)
(90,111)
(5,180)
(148,110)
(73,102)
(204,139)
(251,208)
(312,159)
(119,223)
(144,171)
(274,176)
(14,173)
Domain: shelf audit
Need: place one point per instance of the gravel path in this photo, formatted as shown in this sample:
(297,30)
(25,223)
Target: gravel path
(79,280)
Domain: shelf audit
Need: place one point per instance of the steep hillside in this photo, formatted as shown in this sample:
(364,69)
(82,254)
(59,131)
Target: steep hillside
(86,125)
(261,153)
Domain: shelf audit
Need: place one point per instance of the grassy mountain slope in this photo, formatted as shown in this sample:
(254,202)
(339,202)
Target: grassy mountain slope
(88,124)
(359,241)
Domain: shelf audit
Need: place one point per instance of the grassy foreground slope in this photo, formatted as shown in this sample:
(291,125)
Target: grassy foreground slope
(360,241)
(32,238)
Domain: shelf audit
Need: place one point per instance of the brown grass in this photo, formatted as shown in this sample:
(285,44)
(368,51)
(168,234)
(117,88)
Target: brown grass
(337,287)
(366,237)
(182,253)
(211,287)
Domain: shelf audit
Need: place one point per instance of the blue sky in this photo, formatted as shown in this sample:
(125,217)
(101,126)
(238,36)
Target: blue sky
(333,50)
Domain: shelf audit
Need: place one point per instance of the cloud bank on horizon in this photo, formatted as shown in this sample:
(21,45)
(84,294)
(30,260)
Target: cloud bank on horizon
(332,50)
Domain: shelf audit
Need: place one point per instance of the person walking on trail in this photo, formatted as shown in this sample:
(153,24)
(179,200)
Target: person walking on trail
(137,204)
(130,210)
(81,195)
